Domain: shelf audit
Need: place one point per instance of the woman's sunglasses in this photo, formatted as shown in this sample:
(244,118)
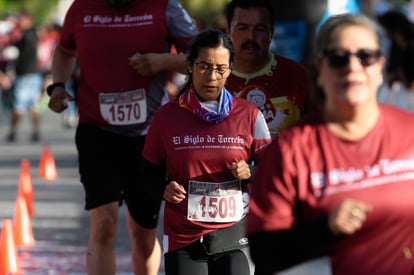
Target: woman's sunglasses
(340,58)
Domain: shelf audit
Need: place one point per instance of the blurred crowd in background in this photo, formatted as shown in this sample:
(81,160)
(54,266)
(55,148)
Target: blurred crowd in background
(27,48)
(397,89)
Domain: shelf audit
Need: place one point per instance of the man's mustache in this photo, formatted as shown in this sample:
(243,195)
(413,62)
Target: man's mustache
(250,44)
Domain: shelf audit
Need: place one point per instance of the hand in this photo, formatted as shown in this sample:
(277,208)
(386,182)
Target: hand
(146,64)
(59,99)
(174,192)
(348,217)
(240,170)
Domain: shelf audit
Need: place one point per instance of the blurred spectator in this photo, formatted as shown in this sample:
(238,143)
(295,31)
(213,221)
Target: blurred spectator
(176,80)
(400,31)
(48,35)
(9,34)
(398,88)
(27,85)
(9,30)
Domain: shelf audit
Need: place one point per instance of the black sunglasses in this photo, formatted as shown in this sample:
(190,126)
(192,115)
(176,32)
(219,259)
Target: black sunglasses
(340,58)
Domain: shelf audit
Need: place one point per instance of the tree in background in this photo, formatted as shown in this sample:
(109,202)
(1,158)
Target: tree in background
(209,13)
(39,9)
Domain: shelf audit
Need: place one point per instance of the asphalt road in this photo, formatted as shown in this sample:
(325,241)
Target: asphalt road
(59,222)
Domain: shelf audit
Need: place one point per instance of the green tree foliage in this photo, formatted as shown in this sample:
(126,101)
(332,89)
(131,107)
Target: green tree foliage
(208,13)
(39,9)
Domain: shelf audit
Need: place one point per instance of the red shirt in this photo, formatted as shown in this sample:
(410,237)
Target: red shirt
(279,90)
(104,38)
(307,171)
(193,149)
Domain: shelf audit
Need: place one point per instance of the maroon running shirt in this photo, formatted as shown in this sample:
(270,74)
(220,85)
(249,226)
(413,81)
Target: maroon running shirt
(318,170)
(279,90)
(196,150)
(104,38)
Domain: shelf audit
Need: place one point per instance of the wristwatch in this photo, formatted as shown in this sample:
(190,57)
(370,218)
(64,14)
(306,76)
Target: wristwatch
(51,87)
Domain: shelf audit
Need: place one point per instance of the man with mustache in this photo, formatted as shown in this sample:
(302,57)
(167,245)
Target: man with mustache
(276,85)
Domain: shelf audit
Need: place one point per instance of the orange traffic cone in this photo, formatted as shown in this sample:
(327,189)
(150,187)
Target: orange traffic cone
(9,258)
(25,188)
(23,233)
(47,166)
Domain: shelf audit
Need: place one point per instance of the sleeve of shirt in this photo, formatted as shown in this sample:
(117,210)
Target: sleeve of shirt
(273,192)
(181,26)
(66,38)
(262,136)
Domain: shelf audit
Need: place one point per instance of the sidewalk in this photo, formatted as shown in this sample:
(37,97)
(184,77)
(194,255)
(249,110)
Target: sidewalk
(60,224)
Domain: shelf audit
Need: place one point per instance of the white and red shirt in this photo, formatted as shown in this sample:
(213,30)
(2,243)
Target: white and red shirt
(279,90)
(307,171)
(103,38)
(199,154)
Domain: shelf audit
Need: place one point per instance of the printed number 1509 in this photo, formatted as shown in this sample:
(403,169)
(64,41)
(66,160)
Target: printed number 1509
(225,206)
